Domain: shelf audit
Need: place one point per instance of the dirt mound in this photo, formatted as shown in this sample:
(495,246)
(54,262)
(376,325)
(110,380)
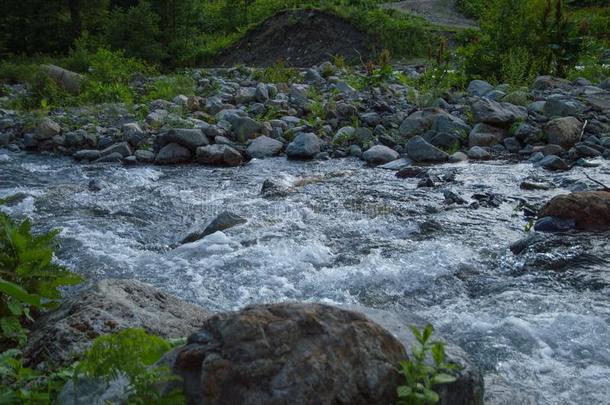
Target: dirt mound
(301,38)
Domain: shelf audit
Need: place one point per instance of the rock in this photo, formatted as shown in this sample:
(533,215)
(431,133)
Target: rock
(156,118)
(512,144)
(263,147)
(190,138)
(563,131)
(421,151)
(553,162)
(262,92)
(133,134)
(410,172)
(144,156)
(550,83)
(95,185)
(221,222)
(86,154)
(4,159)
(476,152)
(427,181)
(94,391)
(67,79)
(531,185)
(590,210)
(312,76)
(106,307)
(379,154)
(121,148)
(173,153)
(431,119)
(552,224)
(245,95)
(271,188)
(443,140)
(584,151)
(479,88)
(525,131)
(180,100)
(355,150)
(452,198)
(114,157)
(47,129)
(245,128)
(500,114)
(555,107)
(304,146)
(523,243)
(485,135)
(222,155)
(458,157)
(288,353)
(396,164)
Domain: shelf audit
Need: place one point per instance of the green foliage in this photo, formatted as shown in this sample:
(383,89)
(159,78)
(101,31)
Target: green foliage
(472,8)
(22,385)
(279,72)
(131,353)
(168,87)
(421,377)
(29,278)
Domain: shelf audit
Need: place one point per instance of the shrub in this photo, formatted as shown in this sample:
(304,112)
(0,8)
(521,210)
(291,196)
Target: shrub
(277,73)
(168,87)
(421,377)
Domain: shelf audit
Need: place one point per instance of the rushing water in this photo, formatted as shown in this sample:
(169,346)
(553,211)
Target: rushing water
(538,324)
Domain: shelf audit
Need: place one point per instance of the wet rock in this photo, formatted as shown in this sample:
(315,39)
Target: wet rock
(173,153)
(190,138)
(410,172)
(589,210)
(500,114)
(428,180)
(355,150)
(476,152)
(263,147)
(122,148)
(95,185)
(273,189)
(133,134)
(421,151)
(86,154)
(298,353)
(523,243)
(553,224)
(221,222)
(552,162)
(490,200)
(106,307)
(453,198)
(397,164)
(458,157)
(485,135)
(304,146)
(584,151)
(531,185)
(144,156)
(114,157)
(221,155)
(563,131)
(379,154)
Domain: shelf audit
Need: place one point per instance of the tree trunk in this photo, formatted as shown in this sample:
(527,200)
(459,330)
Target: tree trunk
(75,19)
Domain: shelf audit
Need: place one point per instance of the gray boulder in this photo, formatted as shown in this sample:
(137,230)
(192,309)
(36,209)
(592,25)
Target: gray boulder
(190,138)
(500,114)
(476,152)
(556,107)
(434,119)
(263,147)
(47,129)
(485,135)
(121,148)
(133,134)
(114,157)
(421,151)
(144,156)
(221,222)
(173,153)
(553,163)
(106,307)
(479,88)
(86,154)
(221,155)
(304,146)
(563,131)
(245,128)
(379,155)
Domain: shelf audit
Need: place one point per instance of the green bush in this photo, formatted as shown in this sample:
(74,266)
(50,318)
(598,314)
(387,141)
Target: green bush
(421,377)
(277,73)
(168,87)
(29,278)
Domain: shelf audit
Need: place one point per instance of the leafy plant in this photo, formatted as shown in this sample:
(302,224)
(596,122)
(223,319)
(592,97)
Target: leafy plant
(168,87)
(420,376)
(29,278)
(130,353)
(277,73)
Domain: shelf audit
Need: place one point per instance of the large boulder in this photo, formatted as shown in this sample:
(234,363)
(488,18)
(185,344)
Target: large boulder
(190,138)
(304,146)
(173,153)
(221,222)
(494,113)
(121,148)
(70,81)
(106,307)
(590,210)
(289,353)
(379,155)
(434,119)
(220,155)
(485,135)
(47,129)
(133,134)
(263,147)
(564,131)
(245,128)
(421,151)
(479,88)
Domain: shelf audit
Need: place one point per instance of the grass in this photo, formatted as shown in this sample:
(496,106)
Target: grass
(168,87)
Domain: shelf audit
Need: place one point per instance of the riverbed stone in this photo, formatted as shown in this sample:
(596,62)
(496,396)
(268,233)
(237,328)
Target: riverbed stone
(144,156)
(478,153)
(263,147)
(379,155)
(479,88)
(590,210)
(190,138)
(221,155)
(421,151)
(133,134)
(553,163)
(47,129)
(105,307)
(563,131)
(86,154)
(304,146)
(485,135)
(221,222)
(500,114)
(173,153)
(121,148)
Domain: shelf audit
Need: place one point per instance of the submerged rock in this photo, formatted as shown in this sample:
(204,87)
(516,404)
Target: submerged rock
(106,307)
(223,221)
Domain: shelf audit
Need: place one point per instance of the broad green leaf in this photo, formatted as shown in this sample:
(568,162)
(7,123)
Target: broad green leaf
(18,293)
(443,378)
